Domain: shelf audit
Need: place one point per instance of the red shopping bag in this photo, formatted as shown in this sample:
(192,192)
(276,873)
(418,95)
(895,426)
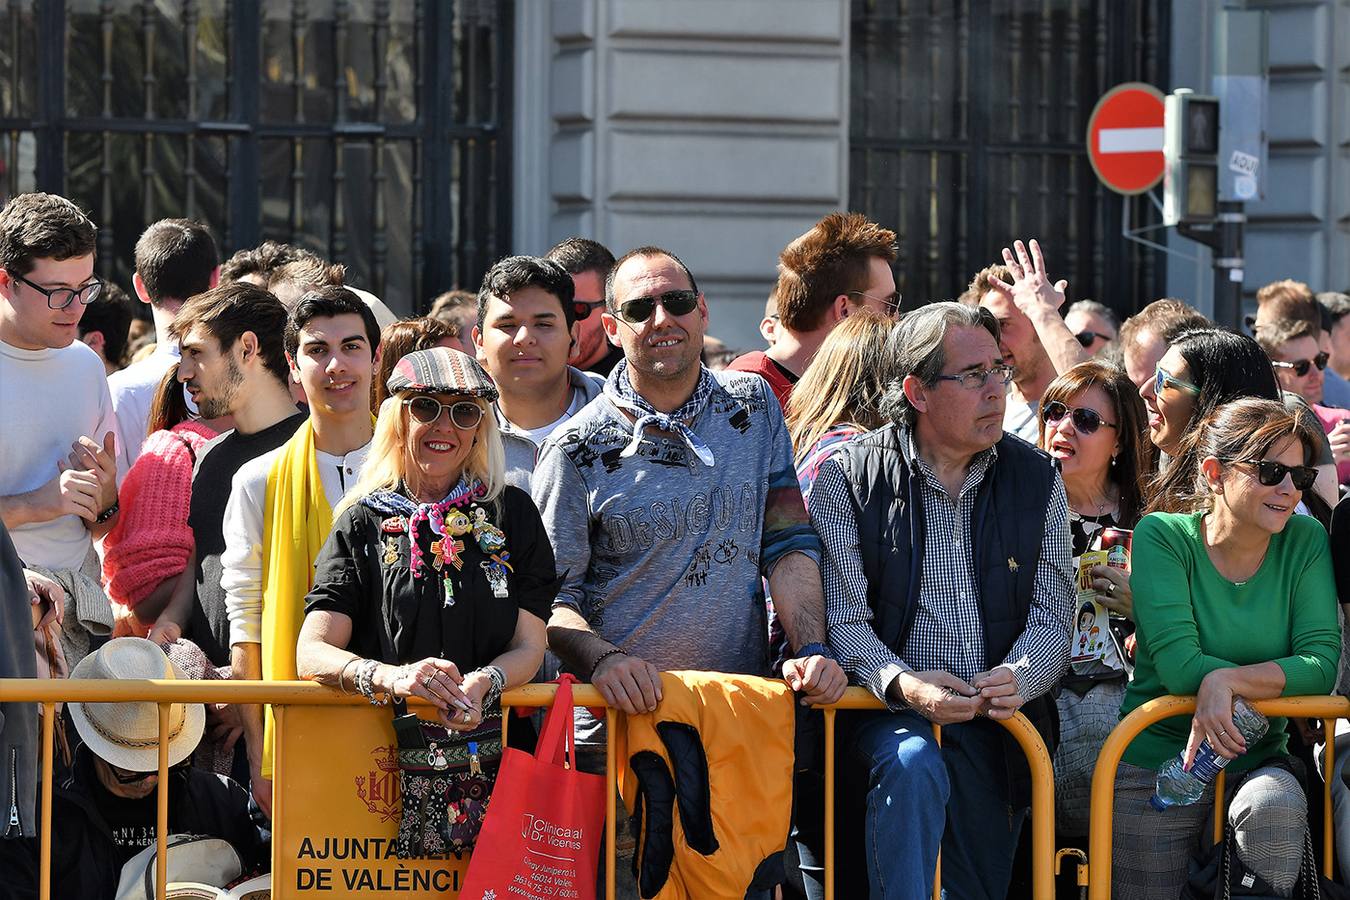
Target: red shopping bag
(542,835)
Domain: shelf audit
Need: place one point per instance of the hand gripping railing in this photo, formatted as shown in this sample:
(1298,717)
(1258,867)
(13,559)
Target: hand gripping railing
(297,693)
(1104,776)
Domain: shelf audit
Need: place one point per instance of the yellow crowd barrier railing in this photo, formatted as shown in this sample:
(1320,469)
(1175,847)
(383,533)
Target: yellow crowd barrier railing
(48,693)
(1042,794)
(1104,776)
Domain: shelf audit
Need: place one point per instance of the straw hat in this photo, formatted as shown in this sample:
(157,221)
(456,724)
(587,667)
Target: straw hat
(127,734)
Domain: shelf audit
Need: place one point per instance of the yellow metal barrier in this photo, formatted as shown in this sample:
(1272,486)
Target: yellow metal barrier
(296,693)
(1042,793)
(1104,776)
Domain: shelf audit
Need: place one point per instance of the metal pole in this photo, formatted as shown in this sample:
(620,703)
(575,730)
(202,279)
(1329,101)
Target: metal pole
(1229,227)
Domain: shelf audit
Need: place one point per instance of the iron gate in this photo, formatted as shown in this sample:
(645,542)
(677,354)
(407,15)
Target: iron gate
(374,132)
(967,126)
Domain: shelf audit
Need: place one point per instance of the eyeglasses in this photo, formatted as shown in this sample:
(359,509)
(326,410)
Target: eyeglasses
(60,298)
(1163,378)
(1085,338)
(464,414)
(977,379)
(584,308)
(891,300)
(640,309)
(1085,420)
(1271,473)
(1301,366)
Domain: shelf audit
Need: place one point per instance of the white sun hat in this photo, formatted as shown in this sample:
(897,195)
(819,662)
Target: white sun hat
(127,734)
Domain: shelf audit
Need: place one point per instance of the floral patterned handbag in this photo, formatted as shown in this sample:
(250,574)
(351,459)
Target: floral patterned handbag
(446,779)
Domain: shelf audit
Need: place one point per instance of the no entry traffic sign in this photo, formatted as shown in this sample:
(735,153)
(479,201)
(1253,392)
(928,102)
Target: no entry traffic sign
(1125,138)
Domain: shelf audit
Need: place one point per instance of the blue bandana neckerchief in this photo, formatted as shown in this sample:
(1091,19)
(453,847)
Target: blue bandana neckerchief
(393,503)
(619,390)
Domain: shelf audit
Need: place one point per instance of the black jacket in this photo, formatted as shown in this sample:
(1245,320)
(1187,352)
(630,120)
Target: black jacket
(18,721)
(86,863)
(1008,522)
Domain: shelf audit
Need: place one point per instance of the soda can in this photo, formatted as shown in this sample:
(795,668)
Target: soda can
(1116,543)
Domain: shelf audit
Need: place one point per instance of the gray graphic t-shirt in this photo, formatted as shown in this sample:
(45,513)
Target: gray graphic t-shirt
(662,554)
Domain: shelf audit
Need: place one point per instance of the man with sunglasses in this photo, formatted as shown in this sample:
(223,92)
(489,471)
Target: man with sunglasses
(948,591)
(842,264)
(668,500)
(1093,324)
(527,326)
(1292,345)
(588,262)
(58,469)
(332,347)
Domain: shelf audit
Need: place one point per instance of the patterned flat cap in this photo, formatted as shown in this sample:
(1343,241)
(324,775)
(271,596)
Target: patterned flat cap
(443,371)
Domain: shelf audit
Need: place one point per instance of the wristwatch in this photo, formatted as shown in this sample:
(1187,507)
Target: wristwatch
(815,648)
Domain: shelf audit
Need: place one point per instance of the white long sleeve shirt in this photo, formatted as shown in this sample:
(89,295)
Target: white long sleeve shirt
(242,562)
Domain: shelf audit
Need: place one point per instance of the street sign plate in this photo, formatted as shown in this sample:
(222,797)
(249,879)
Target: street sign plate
(1125,138)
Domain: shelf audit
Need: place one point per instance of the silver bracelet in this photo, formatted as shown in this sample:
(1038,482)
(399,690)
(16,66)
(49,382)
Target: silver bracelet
(342,674)
(365,682)
(496,676)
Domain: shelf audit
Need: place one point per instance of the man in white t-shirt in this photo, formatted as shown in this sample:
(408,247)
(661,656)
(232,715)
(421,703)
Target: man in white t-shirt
(175,259)
(332,344)
(525,333)
(58,475)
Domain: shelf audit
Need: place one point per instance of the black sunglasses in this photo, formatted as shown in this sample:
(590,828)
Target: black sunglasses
(1301,366)
(60,298)
(1085,338)
(584,308)
(464,414)
(640,309)
(1085,420)
(126,776)
(1271,473)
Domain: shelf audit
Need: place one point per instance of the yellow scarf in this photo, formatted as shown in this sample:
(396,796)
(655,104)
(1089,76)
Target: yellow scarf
(296,522)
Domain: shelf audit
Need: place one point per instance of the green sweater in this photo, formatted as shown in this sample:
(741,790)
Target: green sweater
(1191,621)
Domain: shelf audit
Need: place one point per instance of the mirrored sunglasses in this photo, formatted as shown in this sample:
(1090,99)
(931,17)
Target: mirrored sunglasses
(584,308)
(464,414)
(1085,420)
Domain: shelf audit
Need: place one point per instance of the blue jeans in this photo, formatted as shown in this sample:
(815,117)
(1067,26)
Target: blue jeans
(921,797)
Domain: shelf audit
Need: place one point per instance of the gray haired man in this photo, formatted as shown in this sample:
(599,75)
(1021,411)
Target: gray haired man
(948,595)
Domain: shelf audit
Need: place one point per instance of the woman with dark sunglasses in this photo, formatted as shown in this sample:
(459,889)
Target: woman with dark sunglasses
(1238,600)
(437,578)
(1203,369)
(1092,423)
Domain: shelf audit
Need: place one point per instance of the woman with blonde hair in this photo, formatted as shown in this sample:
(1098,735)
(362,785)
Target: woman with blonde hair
(437,578)
(839,395)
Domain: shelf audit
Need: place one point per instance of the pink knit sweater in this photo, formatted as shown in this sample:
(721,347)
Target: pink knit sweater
(151,540)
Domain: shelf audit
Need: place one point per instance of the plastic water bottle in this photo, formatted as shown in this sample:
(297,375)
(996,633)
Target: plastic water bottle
(1178,787)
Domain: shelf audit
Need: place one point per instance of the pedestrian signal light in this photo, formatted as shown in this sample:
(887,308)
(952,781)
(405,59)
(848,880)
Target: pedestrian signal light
(1191,154)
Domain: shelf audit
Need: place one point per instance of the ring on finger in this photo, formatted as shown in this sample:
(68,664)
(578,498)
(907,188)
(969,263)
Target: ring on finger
(429,680)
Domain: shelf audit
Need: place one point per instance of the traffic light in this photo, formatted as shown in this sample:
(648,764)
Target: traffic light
(1191,154)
